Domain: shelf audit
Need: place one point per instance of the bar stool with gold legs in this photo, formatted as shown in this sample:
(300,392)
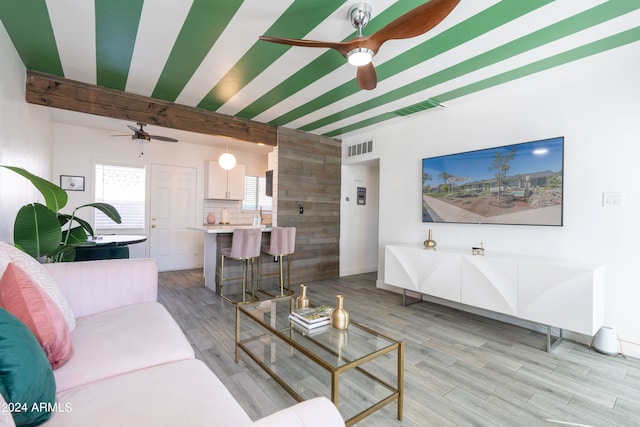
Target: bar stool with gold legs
(281,245)
(245,247)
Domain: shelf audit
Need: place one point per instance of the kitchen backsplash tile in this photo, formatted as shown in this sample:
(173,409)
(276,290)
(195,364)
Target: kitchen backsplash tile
(234,207)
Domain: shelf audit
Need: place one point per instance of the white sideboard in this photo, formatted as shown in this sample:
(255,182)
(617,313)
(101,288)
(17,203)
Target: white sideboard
(563,294)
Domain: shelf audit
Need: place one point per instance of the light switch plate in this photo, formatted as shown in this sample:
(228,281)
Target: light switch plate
(613,200)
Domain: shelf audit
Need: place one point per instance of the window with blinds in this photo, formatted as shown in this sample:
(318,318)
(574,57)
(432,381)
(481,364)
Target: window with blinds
(255,197)
(124,188)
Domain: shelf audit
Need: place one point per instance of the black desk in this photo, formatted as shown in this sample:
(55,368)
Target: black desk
(112,246)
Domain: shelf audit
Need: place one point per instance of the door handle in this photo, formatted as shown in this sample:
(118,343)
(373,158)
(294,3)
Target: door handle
(153,226)
(153,218)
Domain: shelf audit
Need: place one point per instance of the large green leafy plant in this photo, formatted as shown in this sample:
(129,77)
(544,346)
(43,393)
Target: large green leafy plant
(43,231)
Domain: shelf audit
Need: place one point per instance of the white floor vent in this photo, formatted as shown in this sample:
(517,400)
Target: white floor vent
(360,148)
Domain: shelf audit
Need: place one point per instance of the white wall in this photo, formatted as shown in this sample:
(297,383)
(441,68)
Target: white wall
(25,138)
(593,103)
(359,223)
(77,148)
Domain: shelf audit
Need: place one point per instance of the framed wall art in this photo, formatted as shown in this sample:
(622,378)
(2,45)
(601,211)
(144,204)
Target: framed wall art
(519,184)
(72,183)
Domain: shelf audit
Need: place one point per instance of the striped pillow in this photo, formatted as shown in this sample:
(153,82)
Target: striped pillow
(40,276)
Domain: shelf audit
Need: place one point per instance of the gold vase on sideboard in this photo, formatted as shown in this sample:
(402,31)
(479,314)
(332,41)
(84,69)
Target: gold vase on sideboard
(430,243)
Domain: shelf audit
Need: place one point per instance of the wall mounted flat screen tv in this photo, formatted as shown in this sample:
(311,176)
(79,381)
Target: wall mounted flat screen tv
(519,184)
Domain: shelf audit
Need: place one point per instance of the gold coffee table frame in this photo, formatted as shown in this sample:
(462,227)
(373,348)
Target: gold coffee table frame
(274,328)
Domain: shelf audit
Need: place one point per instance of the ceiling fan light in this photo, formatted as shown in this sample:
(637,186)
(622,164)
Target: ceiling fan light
(359,56)
(227,161)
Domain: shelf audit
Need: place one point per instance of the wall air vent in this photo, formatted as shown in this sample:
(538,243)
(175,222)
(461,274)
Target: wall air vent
(360,148)
(416,108)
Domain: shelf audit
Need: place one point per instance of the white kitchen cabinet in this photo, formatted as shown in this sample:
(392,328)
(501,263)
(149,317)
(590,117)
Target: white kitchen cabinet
(224,184)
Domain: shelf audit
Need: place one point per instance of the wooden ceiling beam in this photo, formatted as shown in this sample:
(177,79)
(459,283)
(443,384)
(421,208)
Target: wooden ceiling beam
(58,92)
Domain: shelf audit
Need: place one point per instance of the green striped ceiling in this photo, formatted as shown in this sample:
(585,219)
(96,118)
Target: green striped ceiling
(206,53)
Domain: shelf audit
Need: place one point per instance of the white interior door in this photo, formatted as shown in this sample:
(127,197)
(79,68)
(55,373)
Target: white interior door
(359,222)
(172,210)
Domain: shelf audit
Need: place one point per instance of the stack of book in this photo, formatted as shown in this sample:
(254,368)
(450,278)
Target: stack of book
(311,318)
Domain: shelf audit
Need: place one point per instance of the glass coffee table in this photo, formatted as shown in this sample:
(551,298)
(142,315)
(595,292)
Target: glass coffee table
(359,369)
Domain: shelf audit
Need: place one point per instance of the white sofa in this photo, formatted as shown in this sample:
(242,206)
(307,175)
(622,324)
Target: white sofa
(133,366)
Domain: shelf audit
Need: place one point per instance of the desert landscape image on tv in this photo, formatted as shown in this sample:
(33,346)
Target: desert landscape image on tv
(519,184)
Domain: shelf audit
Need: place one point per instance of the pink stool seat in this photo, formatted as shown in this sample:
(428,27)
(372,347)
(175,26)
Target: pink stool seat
(245,243)
(245,247)
(283,241)
(282,244)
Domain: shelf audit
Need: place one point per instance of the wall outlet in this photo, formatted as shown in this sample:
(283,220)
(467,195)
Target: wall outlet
(613,200)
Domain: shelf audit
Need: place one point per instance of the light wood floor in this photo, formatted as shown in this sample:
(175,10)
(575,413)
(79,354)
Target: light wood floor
(460,369)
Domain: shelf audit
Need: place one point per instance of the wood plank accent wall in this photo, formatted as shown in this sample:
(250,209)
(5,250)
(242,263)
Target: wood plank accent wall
(309,168)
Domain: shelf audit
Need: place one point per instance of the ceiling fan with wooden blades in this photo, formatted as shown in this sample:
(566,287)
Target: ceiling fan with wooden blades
(360,50)
(140,135)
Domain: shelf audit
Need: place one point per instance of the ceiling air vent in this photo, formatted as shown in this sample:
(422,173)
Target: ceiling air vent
(360,148)
(416,108)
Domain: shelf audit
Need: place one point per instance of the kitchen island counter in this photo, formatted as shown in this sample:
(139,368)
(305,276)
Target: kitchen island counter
(225,228)
(217,236)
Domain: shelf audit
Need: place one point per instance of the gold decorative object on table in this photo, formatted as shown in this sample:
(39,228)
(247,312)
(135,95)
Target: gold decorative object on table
(339,316)
(430,243)
(303,300)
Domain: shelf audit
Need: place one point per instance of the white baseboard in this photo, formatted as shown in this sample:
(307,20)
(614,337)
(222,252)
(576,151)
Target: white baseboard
(630,349)
(357,270)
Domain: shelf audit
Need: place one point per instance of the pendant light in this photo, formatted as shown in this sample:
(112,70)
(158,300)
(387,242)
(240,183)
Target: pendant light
(227,160)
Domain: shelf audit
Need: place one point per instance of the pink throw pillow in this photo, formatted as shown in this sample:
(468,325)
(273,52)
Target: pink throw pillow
(40,277)
(20,296)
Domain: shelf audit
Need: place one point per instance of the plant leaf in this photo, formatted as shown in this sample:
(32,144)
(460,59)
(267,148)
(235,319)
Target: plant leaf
(65,218)
(106,209)
(65,253)
(36,230)
(76,235)
(87,227)
(54,196)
